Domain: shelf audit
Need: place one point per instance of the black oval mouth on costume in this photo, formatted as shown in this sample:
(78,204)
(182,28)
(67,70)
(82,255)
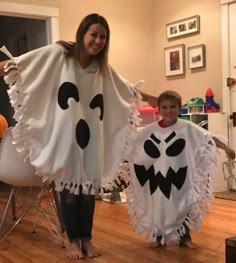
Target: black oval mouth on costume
(82,133)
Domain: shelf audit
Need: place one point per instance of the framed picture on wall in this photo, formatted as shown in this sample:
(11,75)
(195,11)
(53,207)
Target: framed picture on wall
(183,27)
(196,56)
(174,60)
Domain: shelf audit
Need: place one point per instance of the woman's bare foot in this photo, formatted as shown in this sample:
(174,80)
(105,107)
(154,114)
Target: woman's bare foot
(74,251)
(90,249)
(154,244)
(190,244)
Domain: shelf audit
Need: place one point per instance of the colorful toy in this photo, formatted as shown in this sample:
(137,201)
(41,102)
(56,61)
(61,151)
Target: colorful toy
(210,104)
(184,109)
(118,192)
(3,125)
(195,105)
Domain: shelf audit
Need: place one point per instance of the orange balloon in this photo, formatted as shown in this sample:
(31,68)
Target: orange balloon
(3,125)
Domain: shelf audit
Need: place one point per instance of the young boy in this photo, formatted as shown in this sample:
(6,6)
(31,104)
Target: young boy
(171,165)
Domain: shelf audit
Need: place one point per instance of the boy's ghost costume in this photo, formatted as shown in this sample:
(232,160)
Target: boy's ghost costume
(73,124)
(171,173)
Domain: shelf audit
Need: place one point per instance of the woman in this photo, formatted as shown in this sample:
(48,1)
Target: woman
(75,117)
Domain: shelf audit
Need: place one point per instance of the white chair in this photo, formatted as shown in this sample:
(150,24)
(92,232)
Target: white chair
(27,194)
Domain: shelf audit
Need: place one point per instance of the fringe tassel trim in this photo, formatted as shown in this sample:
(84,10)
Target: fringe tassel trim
(21,131)
(201,197)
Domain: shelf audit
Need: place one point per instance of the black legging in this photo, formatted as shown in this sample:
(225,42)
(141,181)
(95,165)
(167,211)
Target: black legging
(77,213)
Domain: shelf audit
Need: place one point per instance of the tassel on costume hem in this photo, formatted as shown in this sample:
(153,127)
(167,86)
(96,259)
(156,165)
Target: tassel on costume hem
(22,131)
(201,196)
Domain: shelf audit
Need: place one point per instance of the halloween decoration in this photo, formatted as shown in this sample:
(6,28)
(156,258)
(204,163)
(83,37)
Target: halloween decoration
(3,125)
(171,173)
(82,138)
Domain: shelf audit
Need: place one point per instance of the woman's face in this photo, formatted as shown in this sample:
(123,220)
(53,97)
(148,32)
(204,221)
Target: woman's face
(94,39)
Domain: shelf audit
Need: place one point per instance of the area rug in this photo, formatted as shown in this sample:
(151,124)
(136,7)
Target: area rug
(228,195)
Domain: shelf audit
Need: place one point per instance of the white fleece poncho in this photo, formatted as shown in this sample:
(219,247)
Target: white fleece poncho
(171,173)
(74,124)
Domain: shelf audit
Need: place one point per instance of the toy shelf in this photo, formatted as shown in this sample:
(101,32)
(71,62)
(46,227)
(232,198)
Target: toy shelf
(148,115)
(198,118)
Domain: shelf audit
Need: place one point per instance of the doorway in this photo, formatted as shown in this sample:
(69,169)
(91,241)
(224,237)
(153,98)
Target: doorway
(19,35)
(24,28)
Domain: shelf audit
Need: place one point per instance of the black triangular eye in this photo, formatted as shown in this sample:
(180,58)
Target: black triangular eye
(67,90)
(151,149)
(97,102)
(175,148)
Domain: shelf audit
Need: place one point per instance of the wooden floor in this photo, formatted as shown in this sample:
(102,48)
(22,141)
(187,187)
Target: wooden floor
(119,244)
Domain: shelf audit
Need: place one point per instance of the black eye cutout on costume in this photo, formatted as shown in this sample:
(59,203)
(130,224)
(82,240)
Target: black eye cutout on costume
(97,102)
(150,148)
(175,148)
(67,90)
(170,137)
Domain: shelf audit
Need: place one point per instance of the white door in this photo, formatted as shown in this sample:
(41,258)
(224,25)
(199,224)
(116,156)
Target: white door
(232,72)
(229,74)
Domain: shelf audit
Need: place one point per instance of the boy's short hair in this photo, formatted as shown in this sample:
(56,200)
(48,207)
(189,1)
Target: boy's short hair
(170,95)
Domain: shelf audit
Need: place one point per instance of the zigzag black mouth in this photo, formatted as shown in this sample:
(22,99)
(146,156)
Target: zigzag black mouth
(164,183)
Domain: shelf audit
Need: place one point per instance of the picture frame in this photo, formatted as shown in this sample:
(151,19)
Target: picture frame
(186,26)
(175,60)
(197,56)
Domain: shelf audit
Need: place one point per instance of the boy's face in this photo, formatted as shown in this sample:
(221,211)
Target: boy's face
(169,111)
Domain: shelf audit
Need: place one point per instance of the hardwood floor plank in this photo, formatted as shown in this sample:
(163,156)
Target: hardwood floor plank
(113,233)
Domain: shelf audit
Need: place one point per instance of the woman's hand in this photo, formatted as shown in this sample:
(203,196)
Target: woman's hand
(230,153)
(11,66)
(2,64)
(150,99)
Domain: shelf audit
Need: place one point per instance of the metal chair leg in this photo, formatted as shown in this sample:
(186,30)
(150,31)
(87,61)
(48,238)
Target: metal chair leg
(44,205)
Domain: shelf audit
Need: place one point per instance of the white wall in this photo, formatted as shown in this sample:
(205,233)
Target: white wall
(195,82)
(138,39)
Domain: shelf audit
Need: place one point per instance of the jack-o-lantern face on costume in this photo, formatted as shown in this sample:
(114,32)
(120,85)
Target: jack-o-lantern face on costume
(173,149)
(82,132)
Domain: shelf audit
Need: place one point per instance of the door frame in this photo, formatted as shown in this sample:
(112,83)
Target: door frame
(49,14)
(225,42)
(225,53)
